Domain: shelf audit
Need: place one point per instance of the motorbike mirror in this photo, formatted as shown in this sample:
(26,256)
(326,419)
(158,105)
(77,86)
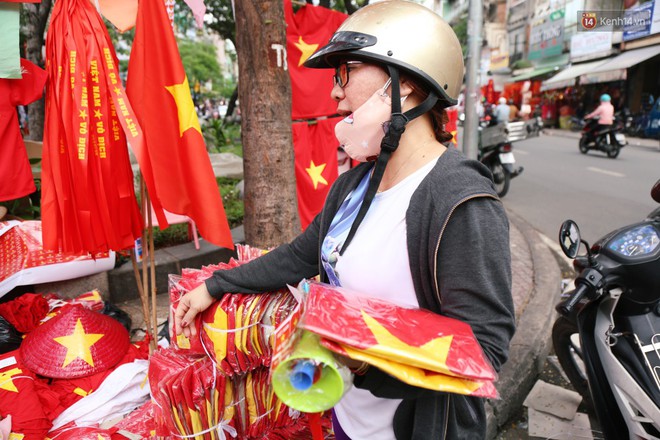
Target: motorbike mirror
(569,238)
(655,191)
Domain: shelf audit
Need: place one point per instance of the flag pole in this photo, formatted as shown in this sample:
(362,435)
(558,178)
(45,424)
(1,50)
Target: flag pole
(152,270)
(145,254)
(143,298)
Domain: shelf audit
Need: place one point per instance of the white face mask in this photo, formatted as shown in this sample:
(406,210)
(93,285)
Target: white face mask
(361,132)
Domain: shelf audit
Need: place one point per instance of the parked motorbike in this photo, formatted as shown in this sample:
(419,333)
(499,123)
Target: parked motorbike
(626,118)
(496,152)
(607,337)
(609,140)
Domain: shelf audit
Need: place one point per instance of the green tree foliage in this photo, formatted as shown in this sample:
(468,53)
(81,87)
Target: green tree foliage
(199,60)
(460,28)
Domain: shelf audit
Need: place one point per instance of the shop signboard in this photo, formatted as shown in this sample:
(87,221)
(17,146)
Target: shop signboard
(637,21)
(546,37)
(584,44)
(655,21)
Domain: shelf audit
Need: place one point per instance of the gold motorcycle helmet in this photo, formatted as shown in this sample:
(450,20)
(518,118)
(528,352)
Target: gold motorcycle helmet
(403,34)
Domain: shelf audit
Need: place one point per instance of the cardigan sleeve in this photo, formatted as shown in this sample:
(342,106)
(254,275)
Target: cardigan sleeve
(286,264)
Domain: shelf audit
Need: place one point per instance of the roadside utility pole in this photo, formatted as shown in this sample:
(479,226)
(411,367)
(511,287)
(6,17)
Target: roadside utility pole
(472,94)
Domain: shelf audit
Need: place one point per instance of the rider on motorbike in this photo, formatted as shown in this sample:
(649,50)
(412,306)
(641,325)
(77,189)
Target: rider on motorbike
(604,112)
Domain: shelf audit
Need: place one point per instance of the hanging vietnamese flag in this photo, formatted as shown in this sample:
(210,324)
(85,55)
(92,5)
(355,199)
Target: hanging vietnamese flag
(308,29)
(173,159)
(314,143)
(316,165)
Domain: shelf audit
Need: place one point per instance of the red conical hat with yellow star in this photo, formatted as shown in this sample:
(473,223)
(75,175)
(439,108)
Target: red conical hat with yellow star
(75,343)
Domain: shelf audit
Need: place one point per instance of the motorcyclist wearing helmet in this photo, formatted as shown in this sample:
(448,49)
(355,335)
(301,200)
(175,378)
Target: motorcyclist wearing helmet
(416,223)
(604,112)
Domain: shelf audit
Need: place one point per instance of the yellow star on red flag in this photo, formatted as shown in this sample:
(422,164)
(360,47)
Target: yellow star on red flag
(6,382)
(217,332)
(184,106)
(306,50)
(438,346)
(78,344)
(315,173)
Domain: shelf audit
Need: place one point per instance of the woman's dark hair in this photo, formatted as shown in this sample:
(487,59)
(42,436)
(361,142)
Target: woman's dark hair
(438,113)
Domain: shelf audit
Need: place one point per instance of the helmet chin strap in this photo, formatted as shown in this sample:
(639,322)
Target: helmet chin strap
(389,144)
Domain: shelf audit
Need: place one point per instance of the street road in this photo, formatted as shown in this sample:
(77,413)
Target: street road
(599,193)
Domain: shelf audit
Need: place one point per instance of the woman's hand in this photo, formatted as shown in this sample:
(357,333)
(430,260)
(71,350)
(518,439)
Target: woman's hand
(190,304)
(357,367)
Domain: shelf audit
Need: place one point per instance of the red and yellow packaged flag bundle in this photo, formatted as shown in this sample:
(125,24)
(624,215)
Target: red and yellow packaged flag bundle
(195,400)
(236,331)
(415,345)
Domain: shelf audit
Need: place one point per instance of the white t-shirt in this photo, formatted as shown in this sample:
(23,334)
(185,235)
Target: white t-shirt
(376,264)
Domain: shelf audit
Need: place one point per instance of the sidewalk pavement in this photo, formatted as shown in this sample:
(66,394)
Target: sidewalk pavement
(536,289)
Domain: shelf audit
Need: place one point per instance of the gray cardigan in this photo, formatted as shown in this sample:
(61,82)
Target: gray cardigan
(467,278)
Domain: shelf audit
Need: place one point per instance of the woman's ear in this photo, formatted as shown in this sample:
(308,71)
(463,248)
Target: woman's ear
(406,87)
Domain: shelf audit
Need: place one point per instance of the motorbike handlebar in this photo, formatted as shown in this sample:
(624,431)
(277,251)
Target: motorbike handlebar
(588,283)
(565,308)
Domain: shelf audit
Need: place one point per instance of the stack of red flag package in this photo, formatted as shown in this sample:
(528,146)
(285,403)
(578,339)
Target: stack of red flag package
(217,384)
(236,331)
(194,399)
(416,346)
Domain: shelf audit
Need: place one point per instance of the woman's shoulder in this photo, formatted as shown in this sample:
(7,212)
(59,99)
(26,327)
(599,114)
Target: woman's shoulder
(454,178)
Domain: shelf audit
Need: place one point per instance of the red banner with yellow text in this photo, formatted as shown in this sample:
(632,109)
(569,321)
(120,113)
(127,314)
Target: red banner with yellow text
(88,198)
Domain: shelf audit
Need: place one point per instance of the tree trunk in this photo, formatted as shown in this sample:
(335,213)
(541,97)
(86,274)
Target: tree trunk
(271,212)
(36,17)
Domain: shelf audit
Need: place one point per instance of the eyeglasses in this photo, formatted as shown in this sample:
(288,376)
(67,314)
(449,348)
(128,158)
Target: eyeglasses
(341,72)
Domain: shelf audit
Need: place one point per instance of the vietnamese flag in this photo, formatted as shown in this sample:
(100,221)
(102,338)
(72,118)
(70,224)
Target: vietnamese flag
(316,167)
(173,159)
(415,337)
(308,29)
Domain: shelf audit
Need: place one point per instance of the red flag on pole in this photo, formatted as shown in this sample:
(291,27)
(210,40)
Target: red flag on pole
(173,159)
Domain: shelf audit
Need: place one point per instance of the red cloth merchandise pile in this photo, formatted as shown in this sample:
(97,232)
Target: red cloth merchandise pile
(34,400)
(22,250)
(217,385)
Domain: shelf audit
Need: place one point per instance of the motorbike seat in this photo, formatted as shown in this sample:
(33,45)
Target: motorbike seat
(606,130)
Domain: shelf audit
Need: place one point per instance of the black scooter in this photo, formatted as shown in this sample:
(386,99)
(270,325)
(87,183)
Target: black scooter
(607,337)
(608,140)
(496,152)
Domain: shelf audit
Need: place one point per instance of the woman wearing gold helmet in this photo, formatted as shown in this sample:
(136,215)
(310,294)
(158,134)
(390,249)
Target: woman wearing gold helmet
(424,225)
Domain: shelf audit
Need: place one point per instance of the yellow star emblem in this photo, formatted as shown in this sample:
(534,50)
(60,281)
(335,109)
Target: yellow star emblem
(306,50)
(117,90)
(315,173)
(98,114)
(78,344)
(437,349)
(6,382)
(217,333)
(185,107)
(83,114)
